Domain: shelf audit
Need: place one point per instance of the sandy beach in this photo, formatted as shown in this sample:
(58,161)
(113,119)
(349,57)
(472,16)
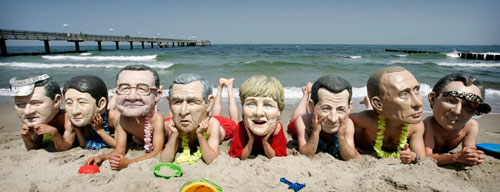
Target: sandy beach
(42,170)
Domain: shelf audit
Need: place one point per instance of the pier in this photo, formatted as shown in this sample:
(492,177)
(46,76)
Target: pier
(463,55)
(76,38)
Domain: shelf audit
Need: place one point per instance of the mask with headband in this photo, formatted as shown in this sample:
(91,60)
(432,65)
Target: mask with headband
(24,87)
(482,107)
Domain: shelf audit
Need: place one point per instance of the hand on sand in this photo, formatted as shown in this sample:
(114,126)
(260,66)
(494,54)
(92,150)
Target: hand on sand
(118,161)
(44,129)
(407,156)
(470,156)
(93,161)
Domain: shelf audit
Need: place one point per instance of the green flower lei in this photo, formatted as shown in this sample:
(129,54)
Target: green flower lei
(380,138)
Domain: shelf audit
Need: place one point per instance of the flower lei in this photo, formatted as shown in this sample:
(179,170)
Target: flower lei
(380,137)
(148,130)
(185,156)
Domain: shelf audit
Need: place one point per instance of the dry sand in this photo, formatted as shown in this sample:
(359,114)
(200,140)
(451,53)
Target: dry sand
(41,170)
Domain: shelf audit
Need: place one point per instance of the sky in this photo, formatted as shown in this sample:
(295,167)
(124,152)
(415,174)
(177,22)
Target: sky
(426,22)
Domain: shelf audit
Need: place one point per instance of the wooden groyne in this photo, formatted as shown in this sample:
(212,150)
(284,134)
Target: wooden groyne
(46,37)
(479,56)
(463,55)
(409,51)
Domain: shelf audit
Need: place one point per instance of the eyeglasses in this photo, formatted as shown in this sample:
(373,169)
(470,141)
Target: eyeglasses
(140,89)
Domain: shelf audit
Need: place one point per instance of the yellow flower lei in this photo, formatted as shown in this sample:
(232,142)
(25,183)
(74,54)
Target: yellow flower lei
(185,156)
(380,138)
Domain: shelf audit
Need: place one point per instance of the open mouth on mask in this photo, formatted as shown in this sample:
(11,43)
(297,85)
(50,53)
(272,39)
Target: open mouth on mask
(259,122)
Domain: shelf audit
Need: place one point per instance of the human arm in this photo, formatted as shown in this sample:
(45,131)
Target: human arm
(97,122)
(247,150)
(30,138)
(468,155)
(168,153)
(119,161)
(308,143)
(61,142)
(346,140)
(210,147)
(268,149)
(121,146)
(416,148)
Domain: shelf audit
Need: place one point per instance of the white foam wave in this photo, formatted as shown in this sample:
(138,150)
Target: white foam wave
(468,64)
(85,54)
(453,54)
(354,57)
(101,58)
(401,55)
(492,93)
(159,65)
(5,92)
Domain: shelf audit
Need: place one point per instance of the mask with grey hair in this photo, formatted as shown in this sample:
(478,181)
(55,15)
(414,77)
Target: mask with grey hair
(187,78)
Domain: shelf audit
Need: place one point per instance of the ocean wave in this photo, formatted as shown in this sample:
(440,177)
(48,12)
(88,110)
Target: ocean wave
(162,65)
(354,57)
(100,58)
(85,54)
(453,54)
(468,64)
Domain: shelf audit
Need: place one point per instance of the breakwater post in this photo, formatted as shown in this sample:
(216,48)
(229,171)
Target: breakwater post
(463,55)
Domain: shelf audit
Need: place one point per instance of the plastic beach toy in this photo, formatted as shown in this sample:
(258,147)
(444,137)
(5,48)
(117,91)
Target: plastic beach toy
(89,169)
(171,166)
(294,186)
(200,185)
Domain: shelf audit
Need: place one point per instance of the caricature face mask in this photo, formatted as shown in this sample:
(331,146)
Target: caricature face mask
(36,108)
(80,107)
(32,105)
(260,114)
(187,106)
(402,101)
(334,107)
(136,94)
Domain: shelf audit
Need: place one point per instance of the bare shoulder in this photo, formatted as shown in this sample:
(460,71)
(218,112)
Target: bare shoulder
(364,119)
(417,128)
(472,125)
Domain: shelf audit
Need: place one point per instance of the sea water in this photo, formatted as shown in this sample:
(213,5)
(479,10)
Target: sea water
(294,65)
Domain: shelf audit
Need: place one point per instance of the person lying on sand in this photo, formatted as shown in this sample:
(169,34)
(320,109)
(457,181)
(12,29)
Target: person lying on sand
(86,98)
(396,116)
(328,128)
(454,100)
(190,100)
(137,93)
(37,101)
(262,100)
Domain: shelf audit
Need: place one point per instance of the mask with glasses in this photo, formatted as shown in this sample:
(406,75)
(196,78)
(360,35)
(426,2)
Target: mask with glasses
(140,89)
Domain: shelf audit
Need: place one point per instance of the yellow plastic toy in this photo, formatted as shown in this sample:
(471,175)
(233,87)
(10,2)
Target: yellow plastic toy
(200,185)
